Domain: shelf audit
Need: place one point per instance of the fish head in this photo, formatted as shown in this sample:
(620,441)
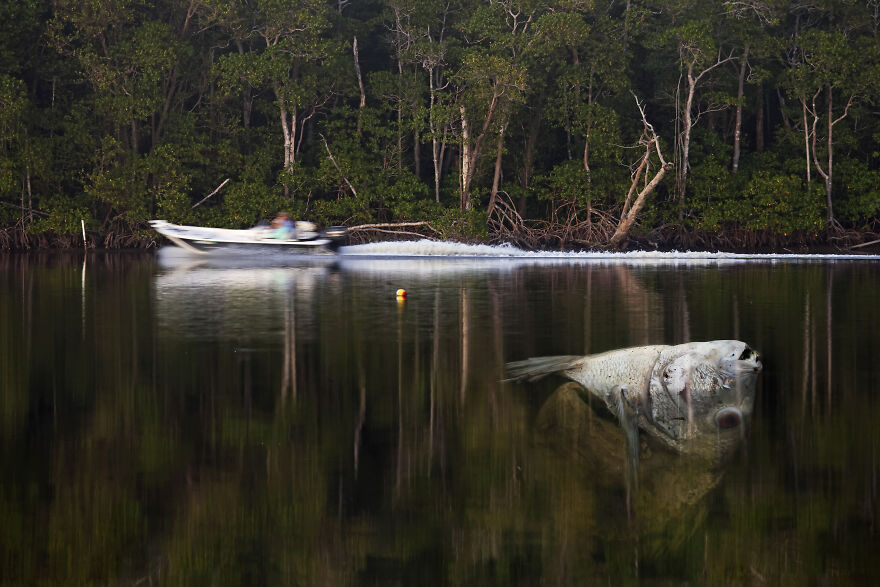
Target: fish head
(701,396)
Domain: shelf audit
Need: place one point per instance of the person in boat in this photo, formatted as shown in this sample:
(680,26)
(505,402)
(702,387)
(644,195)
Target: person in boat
(282,227)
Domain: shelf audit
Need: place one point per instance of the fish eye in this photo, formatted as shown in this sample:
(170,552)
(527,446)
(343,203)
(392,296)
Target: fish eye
(728,418)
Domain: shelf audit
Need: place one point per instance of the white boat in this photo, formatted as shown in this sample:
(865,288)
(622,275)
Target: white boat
(305,238)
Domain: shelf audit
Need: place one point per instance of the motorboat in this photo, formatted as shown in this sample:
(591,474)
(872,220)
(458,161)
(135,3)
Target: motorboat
(305,237)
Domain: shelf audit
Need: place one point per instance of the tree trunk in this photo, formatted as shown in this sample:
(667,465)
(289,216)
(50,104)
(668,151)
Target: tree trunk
(435,143)
(247,107)
(650,141)
(246,97)
(470,154)
(781,98)
(30,207)
(827,173)
(806,139)
(399,115)
(288,131)
(627,222)
(357,69)
(759,120)
(589,126)
(417,158)
(830,174)
(496,178)
(737,132)
(529,157)
(464,181)
(686,133)
(689,122)
(399,134)
(587,157)
(170,84)
(438,164)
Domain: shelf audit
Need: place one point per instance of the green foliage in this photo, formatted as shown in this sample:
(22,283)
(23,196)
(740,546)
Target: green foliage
(566,182)
(171,183)
(117,181)
(121,111)
(694,41)
(828,59)
(405,196)
(20,23)
(461,224)
(860,191)
(767,199)
(64,215)
(13,102)
(714,201)
(13,105)
(8,178)
(783,204)
(484,75)
(245,204)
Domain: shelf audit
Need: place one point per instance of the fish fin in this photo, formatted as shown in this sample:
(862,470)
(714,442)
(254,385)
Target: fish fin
(628,414)
(538,367)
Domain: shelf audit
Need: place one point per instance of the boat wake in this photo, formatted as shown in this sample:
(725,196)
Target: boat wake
(428,248)
(423,255)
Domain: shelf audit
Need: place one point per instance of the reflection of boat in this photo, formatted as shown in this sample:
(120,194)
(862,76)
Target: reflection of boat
(236,300)
(306,238)
(176,258)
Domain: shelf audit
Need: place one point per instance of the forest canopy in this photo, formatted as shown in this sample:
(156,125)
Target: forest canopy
(576,119)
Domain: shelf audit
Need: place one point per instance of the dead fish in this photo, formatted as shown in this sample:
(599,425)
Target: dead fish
(695,398)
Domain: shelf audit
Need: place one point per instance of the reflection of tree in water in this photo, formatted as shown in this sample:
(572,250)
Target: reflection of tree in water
(654,511)
(135,455)
(241,478)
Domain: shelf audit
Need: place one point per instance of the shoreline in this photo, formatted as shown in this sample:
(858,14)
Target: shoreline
(850,242)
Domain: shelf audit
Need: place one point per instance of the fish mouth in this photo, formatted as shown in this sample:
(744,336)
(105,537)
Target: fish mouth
(751,355)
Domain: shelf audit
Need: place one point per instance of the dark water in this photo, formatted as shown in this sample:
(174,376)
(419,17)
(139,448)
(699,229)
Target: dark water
(297,425)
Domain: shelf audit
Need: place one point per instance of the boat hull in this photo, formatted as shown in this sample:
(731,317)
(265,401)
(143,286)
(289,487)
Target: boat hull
(204,240)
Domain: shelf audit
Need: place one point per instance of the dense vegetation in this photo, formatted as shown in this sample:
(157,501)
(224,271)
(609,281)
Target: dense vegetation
(515,119)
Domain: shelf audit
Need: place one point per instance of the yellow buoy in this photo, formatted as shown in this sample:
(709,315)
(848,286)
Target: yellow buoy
(401,294)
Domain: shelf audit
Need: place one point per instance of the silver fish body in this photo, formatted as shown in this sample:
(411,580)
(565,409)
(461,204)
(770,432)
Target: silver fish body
(696,398)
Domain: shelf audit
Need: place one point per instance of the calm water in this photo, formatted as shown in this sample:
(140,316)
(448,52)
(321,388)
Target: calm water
(163,422)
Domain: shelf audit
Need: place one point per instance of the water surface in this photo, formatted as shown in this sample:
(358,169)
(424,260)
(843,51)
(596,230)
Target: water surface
(169,420)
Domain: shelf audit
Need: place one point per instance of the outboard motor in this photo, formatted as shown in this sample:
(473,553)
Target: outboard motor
(338,236)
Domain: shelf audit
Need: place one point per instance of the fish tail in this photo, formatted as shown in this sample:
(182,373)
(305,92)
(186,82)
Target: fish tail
(538,367)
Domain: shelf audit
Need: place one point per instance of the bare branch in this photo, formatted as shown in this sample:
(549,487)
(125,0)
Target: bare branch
(718,61)
(845,110)
(217,189)
(743,9)
(374,226)
(336,165)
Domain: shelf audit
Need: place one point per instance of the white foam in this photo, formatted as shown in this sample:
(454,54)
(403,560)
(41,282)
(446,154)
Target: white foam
(428,248)
(460,256)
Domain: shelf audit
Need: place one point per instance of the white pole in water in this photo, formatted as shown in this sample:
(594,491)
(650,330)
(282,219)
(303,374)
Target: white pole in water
(85,244)
(83,298)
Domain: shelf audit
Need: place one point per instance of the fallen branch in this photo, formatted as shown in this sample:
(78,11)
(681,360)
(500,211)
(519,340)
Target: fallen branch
(864,244)
(397,232)
(649,141)
(392,225)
